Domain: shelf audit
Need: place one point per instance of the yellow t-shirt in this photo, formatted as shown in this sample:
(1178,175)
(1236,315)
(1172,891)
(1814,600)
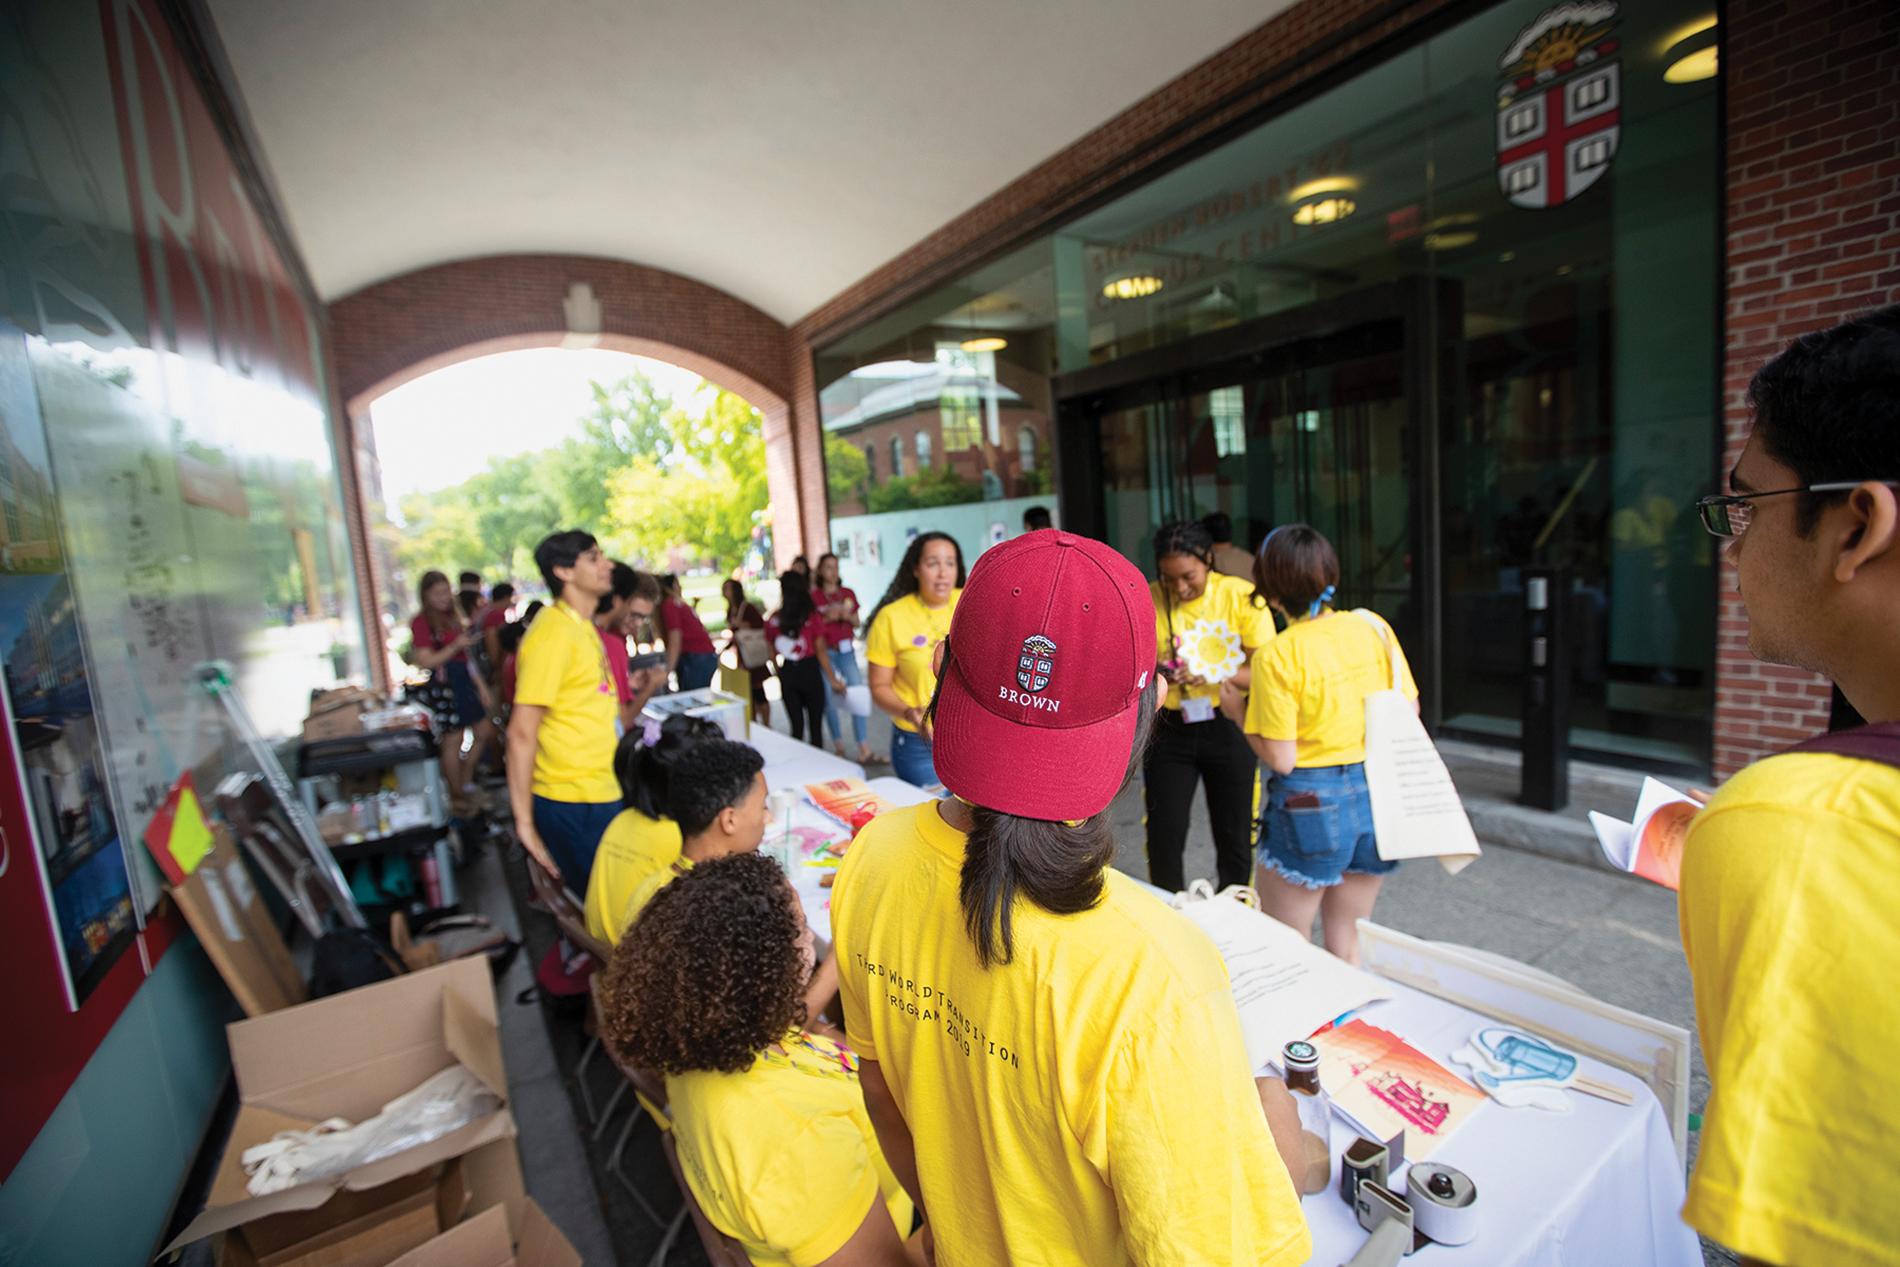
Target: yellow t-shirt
(783,1157)
(1089,1102)
(562,667)
(1788,879)
(1311,685)
(642,891)
(904,637)
(632,848)
(1223,623)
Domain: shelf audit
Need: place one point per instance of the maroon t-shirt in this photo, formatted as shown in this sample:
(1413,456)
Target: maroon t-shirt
(675,614)
(615,646)
(424,634)
(836,631)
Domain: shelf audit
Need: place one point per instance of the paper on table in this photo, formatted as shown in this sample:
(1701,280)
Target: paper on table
(1651,845)
(1383,1085)
(1284,986)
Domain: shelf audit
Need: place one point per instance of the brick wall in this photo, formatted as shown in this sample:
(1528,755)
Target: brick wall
(401,328)
(1813,238)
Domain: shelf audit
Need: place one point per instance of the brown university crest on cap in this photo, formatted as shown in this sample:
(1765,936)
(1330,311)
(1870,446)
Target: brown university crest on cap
(1035,663)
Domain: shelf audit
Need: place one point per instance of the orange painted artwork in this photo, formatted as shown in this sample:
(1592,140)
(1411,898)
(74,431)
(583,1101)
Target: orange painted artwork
(849,801)
(1385,1085)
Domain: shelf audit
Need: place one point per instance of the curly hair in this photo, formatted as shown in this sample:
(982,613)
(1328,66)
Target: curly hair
(642,770)
(710,974)
(711,776)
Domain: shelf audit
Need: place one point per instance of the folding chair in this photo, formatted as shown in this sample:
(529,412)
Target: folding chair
(570,916)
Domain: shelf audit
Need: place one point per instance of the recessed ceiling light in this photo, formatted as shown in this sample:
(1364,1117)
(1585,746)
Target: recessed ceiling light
(1132,287)
(1324,185)
(1324,211)
(989,344)
(1697,66)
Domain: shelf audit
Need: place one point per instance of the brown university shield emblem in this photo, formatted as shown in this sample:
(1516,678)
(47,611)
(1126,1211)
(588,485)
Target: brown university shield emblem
(1035,663)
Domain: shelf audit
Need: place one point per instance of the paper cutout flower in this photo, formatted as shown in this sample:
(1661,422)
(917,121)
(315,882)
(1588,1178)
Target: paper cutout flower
(1211,650)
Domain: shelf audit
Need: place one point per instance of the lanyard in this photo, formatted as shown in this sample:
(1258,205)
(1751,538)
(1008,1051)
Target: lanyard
(600,651)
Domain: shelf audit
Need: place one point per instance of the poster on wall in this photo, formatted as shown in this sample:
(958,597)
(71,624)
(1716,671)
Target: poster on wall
(48,701)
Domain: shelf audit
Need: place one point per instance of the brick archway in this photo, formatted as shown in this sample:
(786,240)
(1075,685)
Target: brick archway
(404,327)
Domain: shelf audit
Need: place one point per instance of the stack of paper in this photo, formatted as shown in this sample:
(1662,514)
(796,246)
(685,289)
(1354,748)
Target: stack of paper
(1651,845)
(1284,986)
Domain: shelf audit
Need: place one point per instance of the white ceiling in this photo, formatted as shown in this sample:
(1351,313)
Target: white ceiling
(777,151)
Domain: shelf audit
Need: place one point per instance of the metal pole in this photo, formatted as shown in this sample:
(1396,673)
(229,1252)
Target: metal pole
(216,677)
(1546,725)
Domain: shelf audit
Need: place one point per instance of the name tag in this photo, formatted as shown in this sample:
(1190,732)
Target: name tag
(1196,708)
(844,644)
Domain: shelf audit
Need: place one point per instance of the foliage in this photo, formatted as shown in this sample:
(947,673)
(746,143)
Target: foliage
(846,470)
(698,495)
(935,486)
(648,478)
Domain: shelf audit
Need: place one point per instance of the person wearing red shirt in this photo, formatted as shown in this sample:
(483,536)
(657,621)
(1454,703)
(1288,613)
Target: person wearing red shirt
(689,649)
(627,605)
(440,644)
(839,606)
(797,634)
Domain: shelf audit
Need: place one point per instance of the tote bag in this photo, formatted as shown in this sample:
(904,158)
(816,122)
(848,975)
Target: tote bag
(1416,812)
(754,650)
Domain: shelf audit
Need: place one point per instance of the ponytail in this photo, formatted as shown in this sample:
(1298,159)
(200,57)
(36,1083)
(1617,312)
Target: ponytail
(1056,865)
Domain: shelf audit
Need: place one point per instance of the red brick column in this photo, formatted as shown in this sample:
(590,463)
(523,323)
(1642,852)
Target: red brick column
(1813,235)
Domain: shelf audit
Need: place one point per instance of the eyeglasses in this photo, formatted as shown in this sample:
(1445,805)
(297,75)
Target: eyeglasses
(1728,515)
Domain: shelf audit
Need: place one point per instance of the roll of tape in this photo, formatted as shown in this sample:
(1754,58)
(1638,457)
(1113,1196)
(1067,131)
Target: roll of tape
(1444,1203)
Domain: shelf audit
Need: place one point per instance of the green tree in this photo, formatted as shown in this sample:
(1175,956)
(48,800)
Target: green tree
(631,419)
(701,493)
(934,486)
(846,470)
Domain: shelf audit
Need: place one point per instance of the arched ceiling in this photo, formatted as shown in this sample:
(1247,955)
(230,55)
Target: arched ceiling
(777,151)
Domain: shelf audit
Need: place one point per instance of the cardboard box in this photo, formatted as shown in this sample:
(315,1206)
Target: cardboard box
(347,1056)
(483,1241)
(355,1229)
(235,929)
(334,723)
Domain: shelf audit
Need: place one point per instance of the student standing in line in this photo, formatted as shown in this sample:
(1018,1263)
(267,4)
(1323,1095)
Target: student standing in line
(689,650)
(1306,718)
(1229,559)
(913,617)
(797,634)
(1789,875)
(1051,1056)
(630,600)
(1218,621)
(773,1138)
(641,840)
(440,641)
(501,598)
(839,606)
(561,735)
(743,613)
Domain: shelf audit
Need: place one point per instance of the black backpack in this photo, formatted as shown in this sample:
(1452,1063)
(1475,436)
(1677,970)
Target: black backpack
(350,957)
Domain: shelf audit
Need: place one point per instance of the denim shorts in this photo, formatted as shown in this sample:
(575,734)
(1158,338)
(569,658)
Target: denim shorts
(1314,846)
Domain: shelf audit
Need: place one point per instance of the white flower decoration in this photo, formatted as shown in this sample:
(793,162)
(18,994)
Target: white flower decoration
(1211,650)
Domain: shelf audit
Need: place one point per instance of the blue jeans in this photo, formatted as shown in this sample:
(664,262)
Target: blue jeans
(696,669)
(911,758)
(845,664)
(571,830)
(1314,846)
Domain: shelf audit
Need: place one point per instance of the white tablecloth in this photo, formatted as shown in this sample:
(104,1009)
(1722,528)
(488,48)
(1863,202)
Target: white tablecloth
(790,764)
(1598,1186)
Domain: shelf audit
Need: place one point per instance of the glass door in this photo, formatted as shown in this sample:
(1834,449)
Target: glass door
(1323,444)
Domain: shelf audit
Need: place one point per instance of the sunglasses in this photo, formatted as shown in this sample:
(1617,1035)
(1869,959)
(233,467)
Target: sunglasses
(1728,515)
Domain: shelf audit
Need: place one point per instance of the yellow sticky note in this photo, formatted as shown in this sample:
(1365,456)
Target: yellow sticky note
(191,839)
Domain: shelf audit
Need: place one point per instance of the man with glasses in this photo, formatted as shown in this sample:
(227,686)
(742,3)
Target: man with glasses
(1790,875)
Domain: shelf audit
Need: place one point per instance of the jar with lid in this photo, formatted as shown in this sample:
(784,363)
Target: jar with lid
(1301,1061)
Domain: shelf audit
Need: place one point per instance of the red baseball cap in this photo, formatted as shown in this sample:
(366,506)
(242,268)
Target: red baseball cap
(1052,643)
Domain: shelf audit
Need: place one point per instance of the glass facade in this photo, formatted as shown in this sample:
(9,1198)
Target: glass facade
(1459,312)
